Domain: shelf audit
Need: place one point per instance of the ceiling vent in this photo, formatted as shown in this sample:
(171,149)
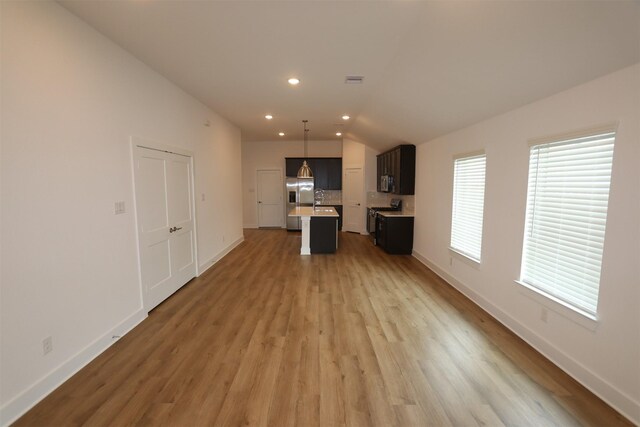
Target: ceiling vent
(354,80)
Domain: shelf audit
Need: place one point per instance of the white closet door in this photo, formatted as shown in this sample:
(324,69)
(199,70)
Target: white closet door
(354,212)
(165,223)
(270,203)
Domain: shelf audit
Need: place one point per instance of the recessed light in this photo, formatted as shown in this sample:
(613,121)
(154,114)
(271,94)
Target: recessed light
(293,81)
(338,133)
(345,117)
(268,117)
(281,134)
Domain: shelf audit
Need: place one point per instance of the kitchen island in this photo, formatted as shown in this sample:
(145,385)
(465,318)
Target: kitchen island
(319,229)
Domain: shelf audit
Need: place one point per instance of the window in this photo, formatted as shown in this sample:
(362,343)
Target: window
(565,220)
(468,205)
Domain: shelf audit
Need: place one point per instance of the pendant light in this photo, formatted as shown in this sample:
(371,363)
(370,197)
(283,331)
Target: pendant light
(305,170)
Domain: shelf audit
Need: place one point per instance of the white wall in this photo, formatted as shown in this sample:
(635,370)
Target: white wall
(71,99)
(371,165)
(361,153)
(270,155)
(353,153)
(606,360)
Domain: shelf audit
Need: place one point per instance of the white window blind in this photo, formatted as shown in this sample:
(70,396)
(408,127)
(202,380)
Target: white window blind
(567,202)
(468,205)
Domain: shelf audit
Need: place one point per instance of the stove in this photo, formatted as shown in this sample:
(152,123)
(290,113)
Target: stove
(372,215)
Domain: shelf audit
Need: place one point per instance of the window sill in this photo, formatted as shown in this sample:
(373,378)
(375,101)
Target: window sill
(465,258)
(582,318)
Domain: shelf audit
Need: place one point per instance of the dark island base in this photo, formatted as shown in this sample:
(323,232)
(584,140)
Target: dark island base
(323,235)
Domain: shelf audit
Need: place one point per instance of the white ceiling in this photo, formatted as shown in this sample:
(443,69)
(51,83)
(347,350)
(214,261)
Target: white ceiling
(430,67)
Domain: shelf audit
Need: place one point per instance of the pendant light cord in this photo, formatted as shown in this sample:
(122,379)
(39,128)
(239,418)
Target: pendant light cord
(304,137)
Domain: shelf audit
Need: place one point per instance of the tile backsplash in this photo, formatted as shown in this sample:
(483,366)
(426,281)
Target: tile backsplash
(384,199)
(332,196)
(373,199)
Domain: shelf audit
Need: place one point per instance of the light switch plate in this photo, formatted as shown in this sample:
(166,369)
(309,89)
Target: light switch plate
(119,208)
(47,345)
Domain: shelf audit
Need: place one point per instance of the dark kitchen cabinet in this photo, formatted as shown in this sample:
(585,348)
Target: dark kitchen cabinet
(323,235)
(320,174)
(405,170)
(394,234)
(327,171)
(400,165)
(334,174)
(395,158)
(380,172)
(338,209)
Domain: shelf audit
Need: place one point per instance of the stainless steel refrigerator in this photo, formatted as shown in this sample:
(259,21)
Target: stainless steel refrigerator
(299,192)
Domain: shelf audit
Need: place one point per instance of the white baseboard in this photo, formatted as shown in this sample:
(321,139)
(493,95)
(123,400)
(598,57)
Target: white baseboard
(597,385)
(250,226)
(211,261)
(26,400)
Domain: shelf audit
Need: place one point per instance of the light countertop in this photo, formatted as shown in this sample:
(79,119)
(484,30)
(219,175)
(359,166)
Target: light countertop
(317,211)
(396,213)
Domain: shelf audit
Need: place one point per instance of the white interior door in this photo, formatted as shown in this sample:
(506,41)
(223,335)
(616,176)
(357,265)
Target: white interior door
(270,201)
(353,189)
(163,184)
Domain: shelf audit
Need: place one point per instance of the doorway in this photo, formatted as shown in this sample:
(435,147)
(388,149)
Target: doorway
(353,207)
(165,218)
(270,197)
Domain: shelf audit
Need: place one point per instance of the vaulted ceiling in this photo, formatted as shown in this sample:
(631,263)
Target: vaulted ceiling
(429,67)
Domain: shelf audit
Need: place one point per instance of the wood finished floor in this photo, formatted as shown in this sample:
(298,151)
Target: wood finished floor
(267,337)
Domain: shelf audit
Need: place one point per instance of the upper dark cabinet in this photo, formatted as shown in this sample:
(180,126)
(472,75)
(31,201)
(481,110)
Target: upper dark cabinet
(399,164)
(327,171)
(334,174)
(292,164)
(320,171)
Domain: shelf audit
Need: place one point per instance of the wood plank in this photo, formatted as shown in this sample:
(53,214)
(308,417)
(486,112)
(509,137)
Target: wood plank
(269,338)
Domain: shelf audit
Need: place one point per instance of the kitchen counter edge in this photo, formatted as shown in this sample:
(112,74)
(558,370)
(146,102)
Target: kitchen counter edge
(396,214)
(309,211)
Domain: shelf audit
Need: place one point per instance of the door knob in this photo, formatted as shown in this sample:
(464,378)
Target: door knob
(259,201)
(174,229)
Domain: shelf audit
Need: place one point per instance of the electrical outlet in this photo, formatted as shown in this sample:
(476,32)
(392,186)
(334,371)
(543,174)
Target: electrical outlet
(544,315)
(119,208)
(47,346)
